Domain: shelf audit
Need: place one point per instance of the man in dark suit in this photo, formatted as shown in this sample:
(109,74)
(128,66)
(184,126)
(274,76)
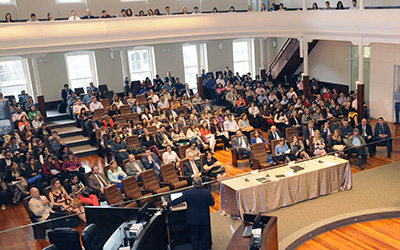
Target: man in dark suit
(382,133)
(150,105)
(326,130)
(187,91)
(274,134)
(91,126)
(169,79)
(366,132)
(66,92)
(241,144)
(98,181)
(308,131)
(151,161)
(198,201)
(163,138)
(134,167)
(192,168)
(88,14)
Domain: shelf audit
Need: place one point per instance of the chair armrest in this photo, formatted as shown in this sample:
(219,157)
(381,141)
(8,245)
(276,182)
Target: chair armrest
(256,164)
(164,184)
(146,191)
(183,178)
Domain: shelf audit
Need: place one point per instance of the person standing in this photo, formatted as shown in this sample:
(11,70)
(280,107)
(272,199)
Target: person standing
(198,201)
(397,104)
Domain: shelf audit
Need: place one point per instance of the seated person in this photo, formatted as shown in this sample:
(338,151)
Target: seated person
(297,148)
(73,165)
(76,189)
(171,156)
(244,125)
(212,167)
(274,134)
(281,151)
(356,144)
(241,144)
(134,167)
(318,144)
(219,133)
(95,104)
(41,207)
(16,182)
(346,129)
(366,132)
(115,174)
(58,196)
(98,181)
(192,168)
(151,161)
(120,149)
(193,149)
(178,136)
(383,134)
(207,136)
(337,143)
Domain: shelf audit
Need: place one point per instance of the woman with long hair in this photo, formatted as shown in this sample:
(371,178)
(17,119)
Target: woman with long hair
(147,141)
(16,183)
(120,149)
(207,135)
(318,144)
(194,135)
(34,173)
(77,189)
(213,167)
(59,196)
(281,151)
(297,148)
(130,100)
(37,122)
(8,18)
(23,122)
(115,174)
(219,133)
(336,143)
(72,165)
(178,136)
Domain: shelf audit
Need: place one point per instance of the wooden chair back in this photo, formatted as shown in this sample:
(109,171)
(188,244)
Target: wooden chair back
(125,109)
(113,195)
(99,113)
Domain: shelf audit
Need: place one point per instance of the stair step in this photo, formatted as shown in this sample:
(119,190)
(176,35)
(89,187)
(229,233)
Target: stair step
(69,131)
(78,140)
(57,117)
(60,124)
(84,150)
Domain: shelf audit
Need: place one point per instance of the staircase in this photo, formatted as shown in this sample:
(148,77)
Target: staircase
(70,134)
(288,60)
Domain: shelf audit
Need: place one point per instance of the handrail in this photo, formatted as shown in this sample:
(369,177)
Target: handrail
(273,63)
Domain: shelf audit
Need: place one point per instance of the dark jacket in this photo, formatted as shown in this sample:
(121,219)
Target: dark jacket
(187,168)
(368,129)
(271,137)
(385,130)
(198,202)
(147,165)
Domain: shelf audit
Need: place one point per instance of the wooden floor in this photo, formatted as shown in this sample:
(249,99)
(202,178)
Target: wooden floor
(370,235)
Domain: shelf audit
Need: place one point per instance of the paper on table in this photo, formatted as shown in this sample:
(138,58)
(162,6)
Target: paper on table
(330,164)
(290,173)
(287,151)
(15,182)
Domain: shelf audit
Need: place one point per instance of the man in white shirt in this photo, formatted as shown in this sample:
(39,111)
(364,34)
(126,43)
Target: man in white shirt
(167,10)
(78,107)
(73,16)
(33,18)
(241,144)
(354,5)
(95,104)
(231,125)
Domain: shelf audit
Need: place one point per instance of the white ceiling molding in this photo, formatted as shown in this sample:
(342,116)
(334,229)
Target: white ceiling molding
(374,26)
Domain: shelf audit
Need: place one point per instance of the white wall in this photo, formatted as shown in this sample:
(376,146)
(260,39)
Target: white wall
(329,61)
(384,58)
(169,57)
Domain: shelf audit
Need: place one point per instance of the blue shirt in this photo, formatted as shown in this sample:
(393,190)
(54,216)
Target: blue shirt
(209,84)
(279,149)
(356,141)
(397,97)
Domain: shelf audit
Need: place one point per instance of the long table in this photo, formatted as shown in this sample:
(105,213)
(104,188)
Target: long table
(320,176)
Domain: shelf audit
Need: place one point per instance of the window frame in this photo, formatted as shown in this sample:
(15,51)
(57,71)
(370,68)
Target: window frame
(11,2)
(93,67)
(251,55)
(202,60)
(69,1)
(152,62)
(25,68)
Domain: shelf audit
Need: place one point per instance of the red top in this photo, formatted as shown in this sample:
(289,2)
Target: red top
(204,132)
(47,168)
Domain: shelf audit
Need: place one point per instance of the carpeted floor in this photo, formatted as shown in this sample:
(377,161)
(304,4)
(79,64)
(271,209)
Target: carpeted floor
(374,191)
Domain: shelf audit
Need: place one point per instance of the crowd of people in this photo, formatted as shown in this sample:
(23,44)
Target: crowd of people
(169,116)
(167,11)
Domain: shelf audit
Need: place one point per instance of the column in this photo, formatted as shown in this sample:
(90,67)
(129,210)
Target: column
(38,86)
(262,55)
(304,5)
(306,78)
(360,82)
(125,63)
(362,4)
(360,100)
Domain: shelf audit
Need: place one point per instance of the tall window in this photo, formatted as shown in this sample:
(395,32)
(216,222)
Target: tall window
(194,60)
(6,2)
(354,69)
(69,1)
(14,77)
(243,56)
(81,69)
(141,63)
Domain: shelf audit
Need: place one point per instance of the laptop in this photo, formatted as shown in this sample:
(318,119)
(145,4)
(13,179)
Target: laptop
(181,206)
